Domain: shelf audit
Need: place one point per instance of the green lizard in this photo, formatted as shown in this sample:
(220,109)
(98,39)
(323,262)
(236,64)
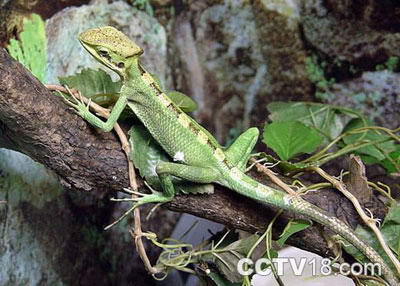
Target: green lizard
(196,154)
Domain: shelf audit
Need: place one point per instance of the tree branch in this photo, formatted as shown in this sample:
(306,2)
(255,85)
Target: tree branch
(40,125)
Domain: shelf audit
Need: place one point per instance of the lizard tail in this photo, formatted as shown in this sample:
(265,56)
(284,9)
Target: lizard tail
(336,225)
(248,187)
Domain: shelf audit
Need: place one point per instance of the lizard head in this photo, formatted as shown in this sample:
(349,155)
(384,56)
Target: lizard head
(110,47)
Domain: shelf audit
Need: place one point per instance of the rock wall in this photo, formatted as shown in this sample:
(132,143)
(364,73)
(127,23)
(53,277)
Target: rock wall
(233,57)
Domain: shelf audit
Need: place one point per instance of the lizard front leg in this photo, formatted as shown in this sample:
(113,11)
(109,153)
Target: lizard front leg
(83,110)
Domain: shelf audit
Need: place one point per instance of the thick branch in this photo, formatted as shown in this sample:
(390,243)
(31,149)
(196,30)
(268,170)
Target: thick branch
(39,124)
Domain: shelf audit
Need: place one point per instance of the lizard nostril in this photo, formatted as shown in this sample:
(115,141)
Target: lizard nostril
(121,65)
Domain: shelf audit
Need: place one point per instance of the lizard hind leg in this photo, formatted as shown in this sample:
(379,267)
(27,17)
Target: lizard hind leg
(165,171)
(239,152)
(189,173)
(142,199)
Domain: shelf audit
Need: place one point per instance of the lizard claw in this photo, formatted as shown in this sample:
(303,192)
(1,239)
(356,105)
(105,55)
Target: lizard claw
(76,102)
(145,199)
(153,191)
(66,99)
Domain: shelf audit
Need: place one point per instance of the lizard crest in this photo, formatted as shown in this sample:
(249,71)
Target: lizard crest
(110,47)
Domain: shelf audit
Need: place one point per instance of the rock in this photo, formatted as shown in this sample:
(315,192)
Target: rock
(43,238)
(347,39)
(375,13)
(376,94)
(232,61)
(237,58)
(53,237)
(215,63)
(160,3)
(351,45)
(282,45)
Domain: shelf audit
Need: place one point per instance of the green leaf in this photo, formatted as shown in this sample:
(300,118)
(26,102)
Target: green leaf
(369,159)
(147,154)
(226,262)
(30,49)
(391,227)
(243,245)
(368,136)
(219,280)
(371,282)
(393,214)
(91,83)
(291,228)
(326,119)
(289,138)
(389,166)
(391,233)
(269,254)
(183,101)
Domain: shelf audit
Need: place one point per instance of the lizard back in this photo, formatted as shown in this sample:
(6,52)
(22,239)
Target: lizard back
(182,137)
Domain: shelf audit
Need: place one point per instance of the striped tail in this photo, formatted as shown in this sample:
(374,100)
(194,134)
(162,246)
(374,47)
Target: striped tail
(248,187)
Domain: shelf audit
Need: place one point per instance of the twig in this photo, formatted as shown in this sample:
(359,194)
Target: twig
(261,168)
(381,190)
(369,221)
(366,277)
(314,187)
(137,230)
(318,156)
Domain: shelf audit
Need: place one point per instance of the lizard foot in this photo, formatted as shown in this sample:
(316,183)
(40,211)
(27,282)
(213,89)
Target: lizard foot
(155,197)
(77,103)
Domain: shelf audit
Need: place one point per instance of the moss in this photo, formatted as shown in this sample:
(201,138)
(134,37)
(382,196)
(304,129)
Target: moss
(391,64)
(24,180)
(316,74)
(375,98)
(96,239)
(93,236)
(234,133)
(143,5)
(282,46)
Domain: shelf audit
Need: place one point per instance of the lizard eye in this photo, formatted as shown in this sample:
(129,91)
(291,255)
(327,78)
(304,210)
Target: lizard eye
(121,65)
(103,53)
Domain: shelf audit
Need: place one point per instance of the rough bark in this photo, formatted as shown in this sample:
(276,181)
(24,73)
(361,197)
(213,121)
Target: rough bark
(37,123)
